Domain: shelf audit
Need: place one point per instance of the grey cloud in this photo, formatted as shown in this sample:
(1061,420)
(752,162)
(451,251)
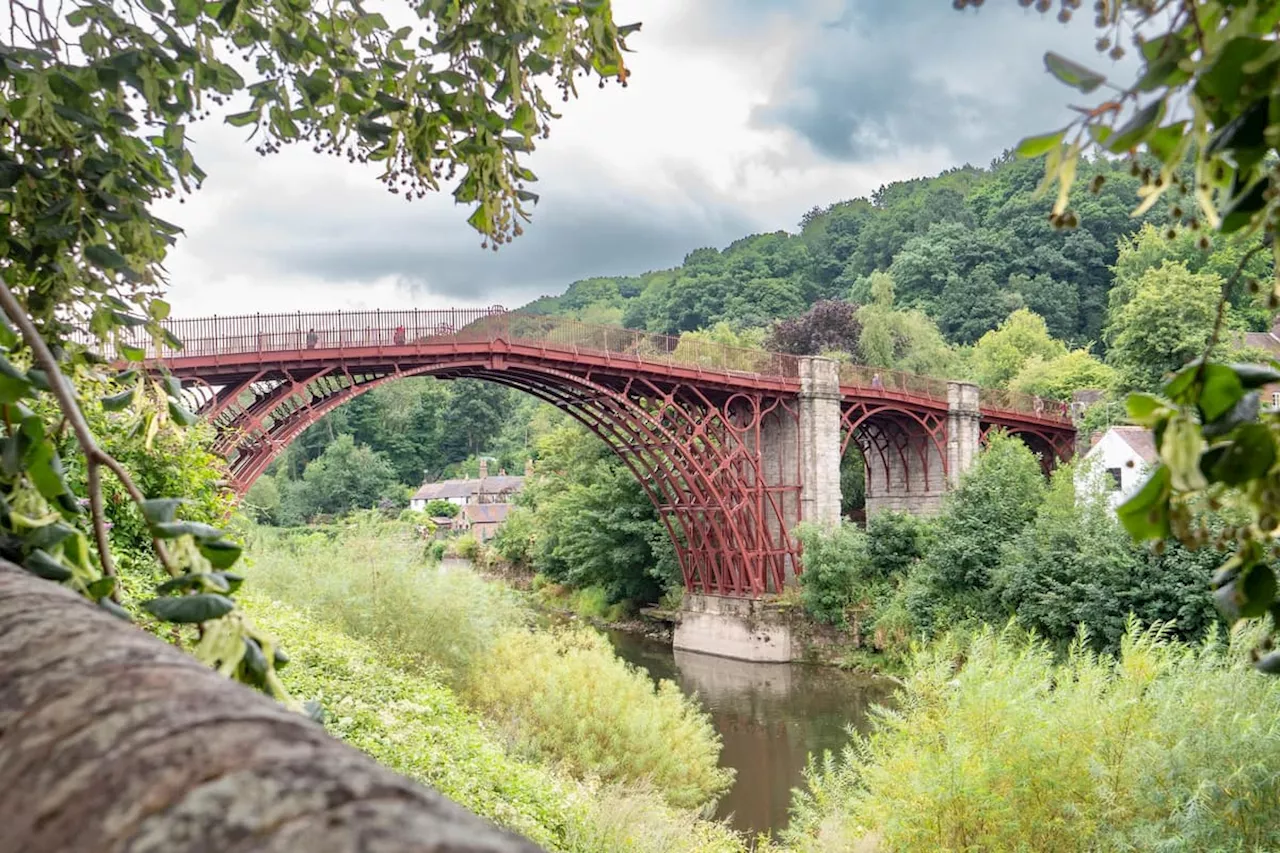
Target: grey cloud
(880,76)
(585,225)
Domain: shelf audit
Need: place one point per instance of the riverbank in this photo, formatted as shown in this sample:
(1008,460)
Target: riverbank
(842,647)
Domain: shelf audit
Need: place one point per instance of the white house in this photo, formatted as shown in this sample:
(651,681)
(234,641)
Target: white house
(484,489)
(1119,461)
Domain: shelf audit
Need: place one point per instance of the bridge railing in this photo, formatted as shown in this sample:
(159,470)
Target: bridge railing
(1023,404)
(267,333)
(874,379)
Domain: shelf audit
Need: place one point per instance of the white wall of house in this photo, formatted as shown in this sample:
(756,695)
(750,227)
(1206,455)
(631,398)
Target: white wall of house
(1115,465)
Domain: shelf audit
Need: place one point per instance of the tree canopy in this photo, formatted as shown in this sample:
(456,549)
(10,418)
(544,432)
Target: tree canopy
(96,101)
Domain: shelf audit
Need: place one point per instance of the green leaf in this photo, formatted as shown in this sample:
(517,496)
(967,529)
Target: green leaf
(1145,409)
(1221,388)
(1146,513)
(1240,210)
(172,385)
(1249,595)
(181,415)
(1255,375)
(280,658)
(44,467)
(119,402)
(242,119)
(48,536)
(206,581)
(221,553)
(101,588)
(131,352)
(174,529)
(1073,73)
(1249,457)
(188,609)
(1137,128)
(114,609)
(45,565)
(159,310)
(102,255)
(1163,143)
(255,661)
(160,510)
(1244,411)
(1035,146)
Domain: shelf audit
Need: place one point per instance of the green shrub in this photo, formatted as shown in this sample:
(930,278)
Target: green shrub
(418,728)
(371,583)
(836,569)
(466,546)
(895,541)
(435,551)
(565,696)
(1168,747)
(515,538)
(439,508)
(995,500)
(1075,566)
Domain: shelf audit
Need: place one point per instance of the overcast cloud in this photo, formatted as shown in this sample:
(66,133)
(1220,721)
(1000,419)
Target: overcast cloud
(741,115)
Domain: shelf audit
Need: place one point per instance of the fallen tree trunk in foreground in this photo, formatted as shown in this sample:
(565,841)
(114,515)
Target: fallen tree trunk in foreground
(111,740)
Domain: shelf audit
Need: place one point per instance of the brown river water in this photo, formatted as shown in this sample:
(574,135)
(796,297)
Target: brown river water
(770,717)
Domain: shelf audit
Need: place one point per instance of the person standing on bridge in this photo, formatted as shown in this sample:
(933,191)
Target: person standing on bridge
(876,383)
(312,338)
(398,336)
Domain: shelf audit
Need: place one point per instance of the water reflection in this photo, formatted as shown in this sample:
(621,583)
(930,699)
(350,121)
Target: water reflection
(769,715)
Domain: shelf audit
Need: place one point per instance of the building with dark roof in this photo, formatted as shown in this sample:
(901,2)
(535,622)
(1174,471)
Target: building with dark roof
(485,500)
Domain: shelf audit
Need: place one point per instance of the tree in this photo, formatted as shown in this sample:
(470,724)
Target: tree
(1074,565)
(347,476)
(1207,76)
(901,340)
(438,508)
(995,500)
(1167,323)
(1060,377)
(1000,354)
(95,104)
(262,501)
(152,694)
(830,324)
(589,522)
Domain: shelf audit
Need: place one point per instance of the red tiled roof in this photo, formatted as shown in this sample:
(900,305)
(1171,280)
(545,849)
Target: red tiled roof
(486,513)
(1140,440)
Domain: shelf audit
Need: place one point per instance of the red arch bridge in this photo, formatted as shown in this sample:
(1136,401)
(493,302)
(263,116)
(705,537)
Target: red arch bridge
(734,446)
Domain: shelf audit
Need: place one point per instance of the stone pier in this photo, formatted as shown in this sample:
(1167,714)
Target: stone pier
(964,432)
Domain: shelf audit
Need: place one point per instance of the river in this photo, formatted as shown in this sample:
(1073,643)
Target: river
(770,717)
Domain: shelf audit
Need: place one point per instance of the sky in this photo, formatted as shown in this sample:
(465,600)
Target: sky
(740,115)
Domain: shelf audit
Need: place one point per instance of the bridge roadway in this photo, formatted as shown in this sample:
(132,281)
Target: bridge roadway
(734,446)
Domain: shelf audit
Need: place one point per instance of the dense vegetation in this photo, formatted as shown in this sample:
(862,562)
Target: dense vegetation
(1005,545)
(560,696)
(1164,747)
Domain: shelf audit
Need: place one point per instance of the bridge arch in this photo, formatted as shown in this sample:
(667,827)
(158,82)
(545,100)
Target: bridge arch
(700,455)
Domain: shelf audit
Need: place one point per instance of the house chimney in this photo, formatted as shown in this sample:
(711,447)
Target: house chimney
(528,467)
(484,468)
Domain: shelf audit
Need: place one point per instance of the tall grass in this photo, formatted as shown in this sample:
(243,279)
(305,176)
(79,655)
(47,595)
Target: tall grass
(567,697)
(417,727)
(563,697)
(371,579)
(1166,747)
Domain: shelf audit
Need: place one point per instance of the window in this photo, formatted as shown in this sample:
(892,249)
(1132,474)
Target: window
(1275,399)
(1115,478)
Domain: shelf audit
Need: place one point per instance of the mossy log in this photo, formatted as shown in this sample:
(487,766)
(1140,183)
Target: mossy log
(112,741)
